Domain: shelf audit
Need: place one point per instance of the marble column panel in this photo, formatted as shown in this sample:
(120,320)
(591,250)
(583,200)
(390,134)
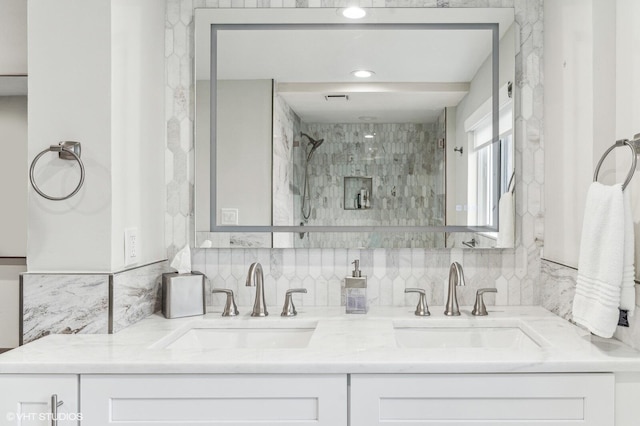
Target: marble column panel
(63,304)
(136,294)
(558,287)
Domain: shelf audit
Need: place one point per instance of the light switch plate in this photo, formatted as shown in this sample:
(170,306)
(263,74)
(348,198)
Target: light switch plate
(228,216)
(131,246)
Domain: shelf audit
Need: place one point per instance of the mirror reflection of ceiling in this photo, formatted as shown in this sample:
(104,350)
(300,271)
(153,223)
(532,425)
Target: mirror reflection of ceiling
(412,82)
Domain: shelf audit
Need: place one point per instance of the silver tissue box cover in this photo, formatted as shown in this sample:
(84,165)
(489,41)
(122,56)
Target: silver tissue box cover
(183,294)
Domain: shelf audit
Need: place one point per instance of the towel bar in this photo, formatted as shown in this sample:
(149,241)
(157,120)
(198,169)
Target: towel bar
(634,153)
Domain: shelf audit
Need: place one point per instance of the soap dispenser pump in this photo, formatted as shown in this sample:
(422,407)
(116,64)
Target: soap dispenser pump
(356,291)
(356,273)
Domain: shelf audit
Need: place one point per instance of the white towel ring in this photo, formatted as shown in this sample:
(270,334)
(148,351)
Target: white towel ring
(67,150)
(621,142)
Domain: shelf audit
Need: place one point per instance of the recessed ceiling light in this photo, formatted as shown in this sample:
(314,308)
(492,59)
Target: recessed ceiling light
(354,12)
(362,73)
(368,136)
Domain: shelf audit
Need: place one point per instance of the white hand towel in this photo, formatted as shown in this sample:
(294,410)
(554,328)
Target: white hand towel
(506,230)
(600,264)
(628,292)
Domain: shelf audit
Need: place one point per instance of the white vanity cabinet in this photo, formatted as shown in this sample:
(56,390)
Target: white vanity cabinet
(221,399)
(540,399)
(488,399)
(27,399)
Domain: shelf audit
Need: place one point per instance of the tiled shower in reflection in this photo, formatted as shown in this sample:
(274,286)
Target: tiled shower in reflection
(401,166)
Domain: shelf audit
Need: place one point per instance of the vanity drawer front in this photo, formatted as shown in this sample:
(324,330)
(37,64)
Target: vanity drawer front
(473,399)
(221,400)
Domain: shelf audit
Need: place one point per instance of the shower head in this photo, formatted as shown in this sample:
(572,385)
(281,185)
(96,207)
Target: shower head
(314,144)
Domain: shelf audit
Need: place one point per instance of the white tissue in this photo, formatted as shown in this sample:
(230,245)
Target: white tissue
(182,261)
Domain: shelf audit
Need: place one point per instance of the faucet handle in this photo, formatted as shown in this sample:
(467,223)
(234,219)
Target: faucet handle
(289,310)
(230,308)
(479,309)
(422,309)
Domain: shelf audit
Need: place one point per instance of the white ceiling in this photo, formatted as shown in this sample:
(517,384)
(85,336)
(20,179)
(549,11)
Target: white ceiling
(443,61)
(331,55)
(403,103)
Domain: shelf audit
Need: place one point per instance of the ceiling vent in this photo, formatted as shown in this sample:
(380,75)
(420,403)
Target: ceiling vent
(338,98)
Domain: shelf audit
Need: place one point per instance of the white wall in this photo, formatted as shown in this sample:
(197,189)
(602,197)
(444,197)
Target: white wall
(69,99)
(13,175)
(9,304)
(96,76)
(13,163)
(13,37)
(244,154)
(480,88)
(628,98)
(580,57)
(477,103)
(137,128)
(456,173)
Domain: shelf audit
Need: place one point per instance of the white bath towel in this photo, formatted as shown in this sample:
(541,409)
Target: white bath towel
(506,230)
(628,292)
(600,264)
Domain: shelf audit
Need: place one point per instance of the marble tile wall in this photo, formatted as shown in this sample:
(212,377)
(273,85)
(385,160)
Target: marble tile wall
(88,303)
(63,304)
(388,272)
(136,294)
(286,136)
(558,284)
(514,271)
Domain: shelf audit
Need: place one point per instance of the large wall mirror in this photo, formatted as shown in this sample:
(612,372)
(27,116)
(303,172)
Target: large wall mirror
(298,146)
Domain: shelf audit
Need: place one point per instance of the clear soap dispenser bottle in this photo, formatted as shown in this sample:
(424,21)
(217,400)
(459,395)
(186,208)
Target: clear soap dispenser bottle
(356,291)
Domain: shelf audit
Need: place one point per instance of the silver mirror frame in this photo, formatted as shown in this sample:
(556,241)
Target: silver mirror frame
(327,18)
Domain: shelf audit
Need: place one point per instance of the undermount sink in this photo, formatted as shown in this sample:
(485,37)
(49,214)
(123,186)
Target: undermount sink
(513,335)
(254,336)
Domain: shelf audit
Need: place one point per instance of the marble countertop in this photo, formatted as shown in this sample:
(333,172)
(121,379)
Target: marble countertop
(341,343)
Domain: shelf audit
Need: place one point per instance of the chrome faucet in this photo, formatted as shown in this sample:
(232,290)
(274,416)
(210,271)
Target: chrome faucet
(289,309)
(256,278)
(480,309)
(456,278)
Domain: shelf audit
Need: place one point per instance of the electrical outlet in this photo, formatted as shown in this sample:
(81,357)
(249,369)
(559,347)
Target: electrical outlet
(131,246)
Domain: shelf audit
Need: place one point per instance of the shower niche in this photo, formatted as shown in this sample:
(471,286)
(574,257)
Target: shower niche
(358,193)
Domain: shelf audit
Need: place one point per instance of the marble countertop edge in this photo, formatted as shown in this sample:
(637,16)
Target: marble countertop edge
(340,344)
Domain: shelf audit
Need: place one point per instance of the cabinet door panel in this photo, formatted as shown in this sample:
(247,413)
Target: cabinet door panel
(238,400)
(25,400)
(468,399)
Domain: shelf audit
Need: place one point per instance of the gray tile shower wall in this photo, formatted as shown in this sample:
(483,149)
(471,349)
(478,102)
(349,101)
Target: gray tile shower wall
(515,272)
(407,171)
(286,194)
